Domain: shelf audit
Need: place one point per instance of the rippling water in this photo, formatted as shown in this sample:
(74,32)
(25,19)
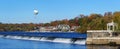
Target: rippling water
(6,43)
(27,44)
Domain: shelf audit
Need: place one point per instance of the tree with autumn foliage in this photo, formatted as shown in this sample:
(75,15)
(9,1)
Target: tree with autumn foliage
(91,22)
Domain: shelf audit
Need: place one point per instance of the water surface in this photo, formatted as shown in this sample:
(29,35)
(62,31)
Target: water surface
(27,44)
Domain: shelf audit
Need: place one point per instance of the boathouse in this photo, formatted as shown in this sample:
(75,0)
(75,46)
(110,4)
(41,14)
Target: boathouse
(111,35)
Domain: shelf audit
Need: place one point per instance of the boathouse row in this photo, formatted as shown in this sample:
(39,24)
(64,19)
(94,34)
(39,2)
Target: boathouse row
(111,35)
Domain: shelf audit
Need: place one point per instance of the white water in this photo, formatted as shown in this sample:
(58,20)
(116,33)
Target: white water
(35,38)
(46,39)
(43,39)
(8,36)
(27,38)
(19,37)
(1,35)
(82,41)
(60,40)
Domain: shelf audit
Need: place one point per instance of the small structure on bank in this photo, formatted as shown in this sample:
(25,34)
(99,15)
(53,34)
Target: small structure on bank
(104,36)
(112,27)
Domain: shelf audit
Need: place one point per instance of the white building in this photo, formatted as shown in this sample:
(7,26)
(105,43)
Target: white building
(63,27)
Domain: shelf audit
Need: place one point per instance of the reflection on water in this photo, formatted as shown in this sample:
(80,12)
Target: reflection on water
(102,47)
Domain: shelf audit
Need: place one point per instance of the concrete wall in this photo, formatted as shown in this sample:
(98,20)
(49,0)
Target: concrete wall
(103,40)
(102,47)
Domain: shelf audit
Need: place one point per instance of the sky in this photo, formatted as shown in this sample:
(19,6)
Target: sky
(21,11)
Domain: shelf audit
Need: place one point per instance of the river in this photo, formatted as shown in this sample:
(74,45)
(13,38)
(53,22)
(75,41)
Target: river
(6,43)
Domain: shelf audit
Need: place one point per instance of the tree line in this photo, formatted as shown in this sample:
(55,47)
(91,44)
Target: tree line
(17,27)
(86,22)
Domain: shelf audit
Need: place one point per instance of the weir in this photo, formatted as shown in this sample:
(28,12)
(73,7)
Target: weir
(60,37)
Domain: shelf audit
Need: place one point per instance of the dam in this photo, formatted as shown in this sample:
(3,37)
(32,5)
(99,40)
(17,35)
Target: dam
(59,37)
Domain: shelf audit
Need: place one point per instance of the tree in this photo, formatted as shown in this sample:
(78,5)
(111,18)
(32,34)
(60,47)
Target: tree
(116,18)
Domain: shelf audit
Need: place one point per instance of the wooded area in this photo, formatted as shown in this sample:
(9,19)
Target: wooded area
(86,22)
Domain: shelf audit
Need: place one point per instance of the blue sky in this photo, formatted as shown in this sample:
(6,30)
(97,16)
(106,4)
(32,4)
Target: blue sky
(21,11)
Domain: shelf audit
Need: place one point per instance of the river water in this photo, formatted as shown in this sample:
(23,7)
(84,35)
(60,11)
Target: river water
(6,43)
